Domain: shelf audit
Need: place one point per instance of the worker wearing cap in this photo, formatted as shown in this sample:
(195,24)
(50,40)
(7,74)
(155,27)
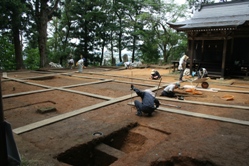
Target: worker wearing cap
(149,102)
(155,75)
(169,90)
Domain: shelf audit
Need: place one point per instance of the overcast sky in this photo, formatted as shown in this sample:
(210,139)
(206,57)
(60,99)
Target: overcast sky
(183,1)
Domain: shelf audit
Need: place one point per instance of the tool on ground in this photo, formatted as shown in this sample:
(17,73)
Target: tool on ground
(171,105)
(131,84)
(158,86)
(180,97)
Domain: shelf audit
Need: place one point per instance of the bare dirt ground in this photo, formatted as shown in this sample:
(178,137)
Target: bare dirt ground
(94,124)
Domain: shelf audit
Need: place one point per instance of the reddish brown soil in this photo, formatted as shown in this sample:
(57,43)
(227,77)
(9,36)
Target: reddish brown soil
(163,139)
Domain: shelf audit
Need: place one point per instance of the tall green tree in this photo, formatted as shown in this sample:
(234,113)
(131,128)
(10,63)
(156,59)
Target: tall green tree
(11,20)
(170,12)
(61,29)
(7,51)
(120,9)
(42,12)
(104,28)
(84,27)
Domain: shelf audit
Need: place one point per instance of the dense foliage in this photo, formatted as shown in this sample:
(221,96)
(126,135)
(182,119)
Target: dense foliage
(35,32)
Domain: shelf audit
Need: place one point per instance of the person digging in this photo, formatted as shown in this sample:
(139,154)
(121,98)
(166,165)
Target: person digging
(169,90)
(149,103)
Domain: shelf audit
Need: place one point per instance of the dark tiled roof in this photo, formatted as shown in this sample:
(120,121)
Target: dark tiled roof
(229,15)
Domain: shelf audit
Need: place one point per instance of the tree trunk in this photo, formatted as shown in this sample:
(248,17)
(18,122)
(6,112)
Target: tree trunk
(133,49)
(16,37)
(18,49)
(43,14)
(42,38)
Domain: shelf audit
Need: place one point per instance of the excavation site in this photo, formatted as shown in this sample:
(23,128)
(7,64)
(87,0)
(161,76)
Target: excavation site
(60,117)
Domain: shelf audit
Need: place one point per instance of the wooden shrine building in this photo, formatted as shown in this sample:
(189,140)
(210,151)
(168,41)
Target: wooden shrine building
(218,38)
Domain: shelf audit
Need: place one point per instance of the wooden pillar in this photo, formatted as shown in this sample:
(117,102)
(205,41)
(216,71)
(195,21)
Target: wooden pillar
(202,50)
(3,141)
(224,58)
(191,55)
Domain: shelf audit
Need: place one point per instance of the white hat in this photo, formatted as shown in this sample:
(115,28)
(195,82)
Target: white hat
(150,92)
(153,71)
(186,57)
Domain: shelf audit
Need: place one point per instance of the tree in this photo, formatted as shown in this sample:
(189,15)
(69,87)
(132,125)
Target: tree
(7,58)
(119,8)
(168,38)
(149,49)
(42,11)
(11,19)
(59,45)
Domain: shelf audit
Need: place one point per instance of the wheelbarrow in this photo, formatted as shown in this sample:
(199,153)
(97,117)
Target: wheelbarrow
(203,81)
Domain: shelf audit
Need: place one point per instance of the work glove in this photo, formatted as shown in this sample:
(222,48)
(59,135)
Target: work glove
(132,86)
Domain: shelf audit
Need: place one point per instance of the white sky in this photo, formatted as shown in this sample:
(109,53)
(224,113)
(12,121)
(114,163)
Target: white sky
(180,1)
(183,1)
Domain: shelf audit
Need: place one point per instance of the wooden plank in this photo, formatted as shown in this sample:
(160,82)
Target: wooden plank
(67,115)
(234,91)
(87,83)
(83,76)
(54,119)
(25,93)
(149,80)
(200,115)
(110,150)
(205,103)
(36,77)
(134,83)
(86,94)
(30,83)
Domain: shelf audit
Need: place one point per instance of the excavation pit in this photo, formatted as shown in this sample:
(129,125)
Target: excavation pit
(183,161)
(43,78)
(104,150)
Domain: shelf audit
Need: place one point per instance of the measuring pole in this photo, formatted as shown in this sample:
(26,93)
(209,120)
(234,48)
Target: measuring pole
(131,90)
(158,86)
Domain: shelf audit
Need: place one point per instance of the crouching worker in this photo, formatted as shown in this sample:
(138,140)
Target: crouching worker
(155,75)
(202,73)
(149,102)
(169,90)
(127,65)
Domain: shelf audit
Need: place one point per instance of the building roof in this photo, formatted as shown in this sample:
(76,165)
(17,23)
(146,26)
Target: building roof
(218,15)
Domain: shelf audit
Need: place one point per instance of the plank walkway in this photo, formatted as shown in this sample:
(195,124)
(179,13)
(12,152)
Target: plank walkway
(57,118)
(110,101)
(200,115)
(204,103)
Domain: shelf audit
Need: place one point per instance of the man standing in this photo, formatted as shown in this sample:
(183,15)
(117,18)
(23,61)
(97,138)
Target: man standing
(182,65)
(80,64)
(149,102)
(169,90)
